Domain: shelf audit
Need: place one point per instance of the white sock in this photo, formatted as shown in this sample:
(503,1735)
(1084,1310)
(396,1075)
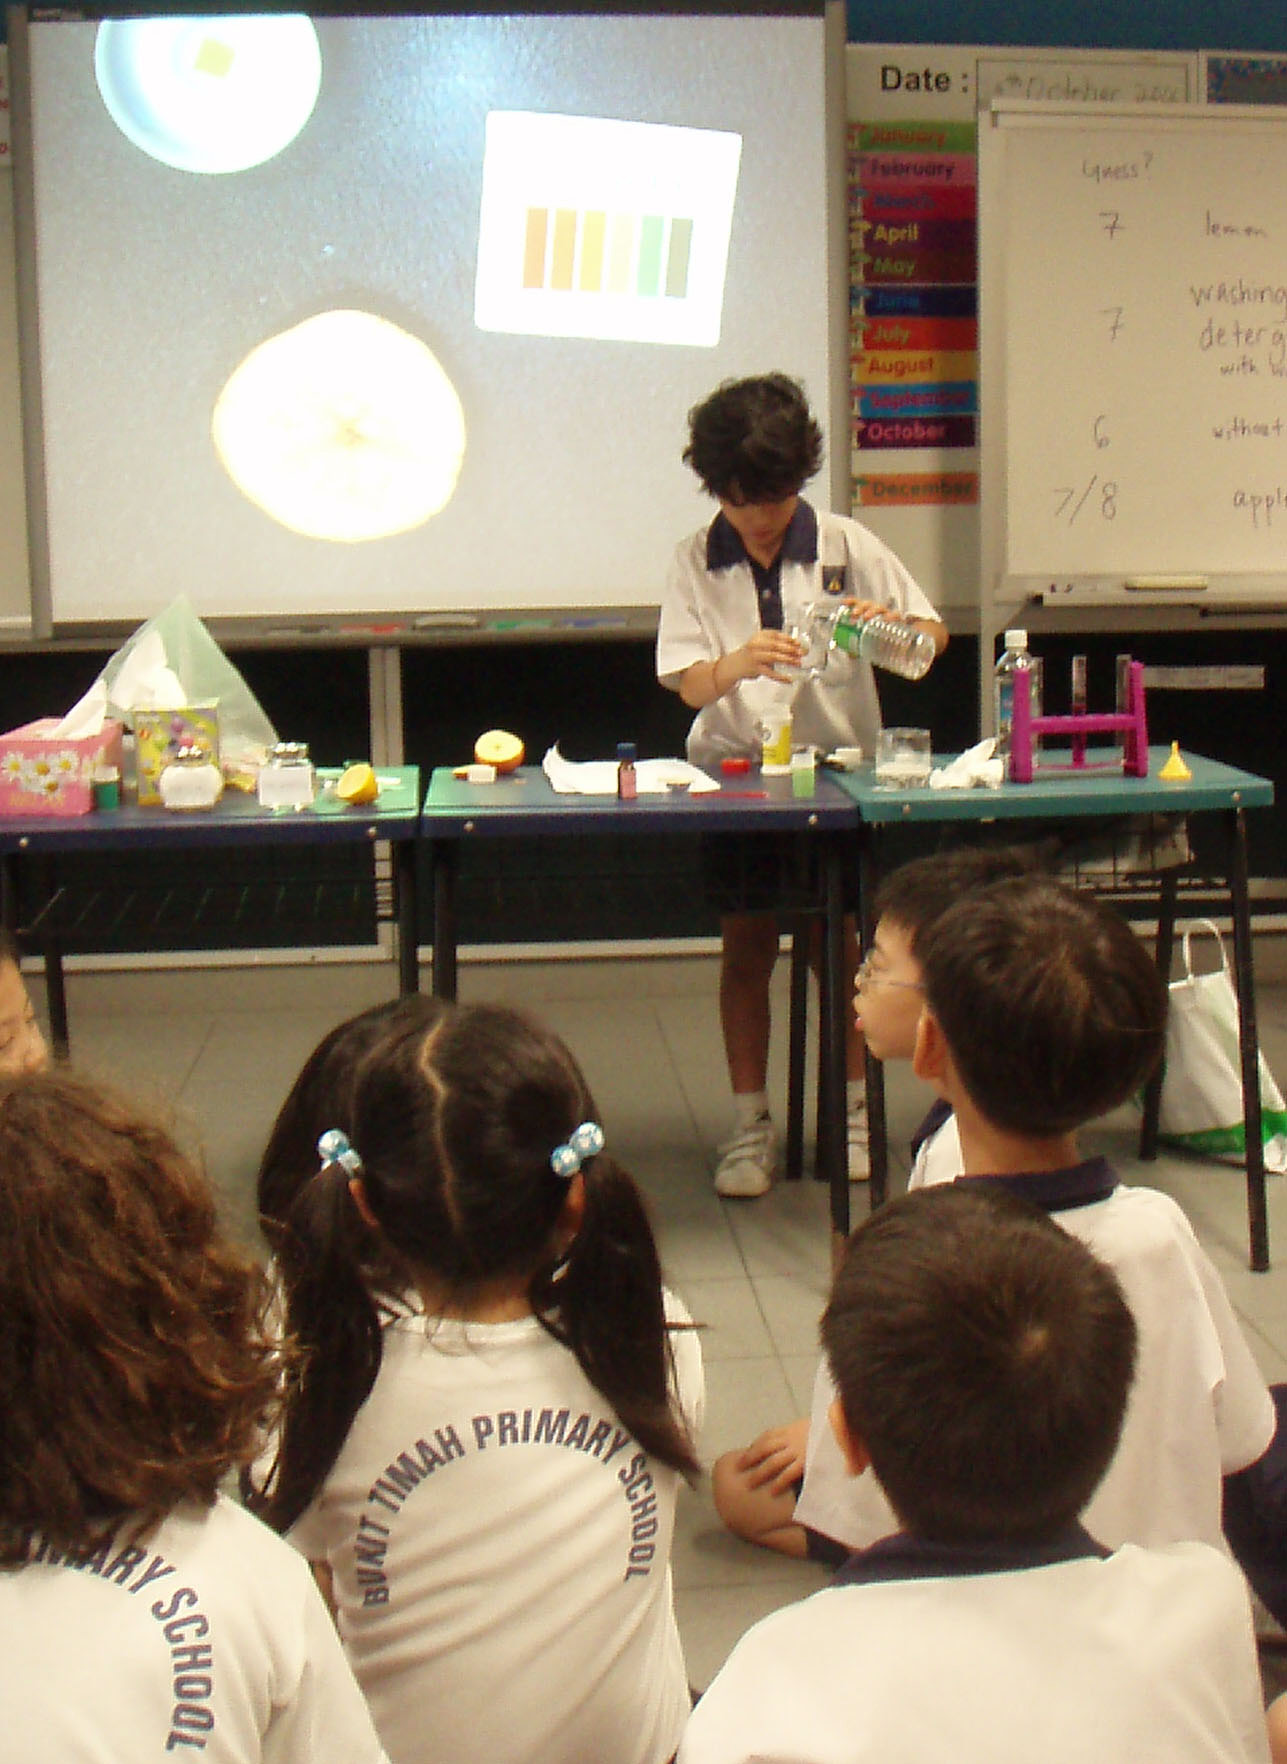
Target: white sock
(749,1106)
(855,1094)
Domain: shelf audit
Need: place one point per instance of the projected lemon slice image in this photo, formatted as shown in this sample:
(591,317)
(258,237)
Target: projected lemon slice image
(217,94)
(343,428)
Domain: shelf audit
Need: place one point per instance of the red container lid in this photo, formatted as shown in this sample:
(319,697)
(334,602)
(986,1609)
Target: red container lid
(736,767)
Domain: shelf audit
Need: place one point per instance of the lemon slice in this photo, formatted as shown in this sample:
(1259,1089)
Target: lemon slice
(358,784)
(497,747)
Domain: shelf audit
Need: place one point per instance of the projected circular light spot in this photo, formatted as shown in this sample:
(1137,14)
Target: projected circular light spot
(209,94)
(344,428)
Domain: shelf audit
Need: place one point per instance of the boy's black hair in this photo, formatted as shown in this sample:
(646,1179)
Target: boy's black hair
(984,1358)
(1053,1010)
(754,440)
(9,951)
(921,891)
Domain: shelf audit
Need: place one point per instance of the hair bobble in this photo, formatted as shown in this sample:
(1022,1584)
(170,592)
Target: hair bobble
(567,1159)
(334,1148)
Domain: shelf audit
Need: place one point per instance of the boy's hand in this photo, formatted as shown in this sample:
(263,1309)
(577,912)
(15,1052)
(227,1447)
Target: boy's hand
(871,609)
(767,653)
(776,1459)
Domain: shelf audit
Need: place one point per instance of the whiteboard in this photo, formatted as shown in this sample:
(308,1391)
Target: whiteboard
(15,591)
(1133,295)
(158,275)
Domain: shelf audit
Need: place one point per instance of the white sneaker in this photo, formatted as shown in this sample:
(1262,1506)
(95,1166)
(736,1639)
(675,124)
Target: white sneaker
(747,1161)
(856,1133)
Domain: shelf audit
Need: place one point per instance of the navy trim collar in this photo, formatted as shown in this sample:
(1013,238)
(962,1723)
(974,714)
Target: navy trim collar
(903,1557)
(724,546)
(940,1111)
(1060,1190)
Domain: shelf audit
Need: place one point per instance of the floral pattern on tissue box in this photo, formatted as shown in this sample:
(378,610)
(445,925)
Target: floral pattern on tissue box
(45,774)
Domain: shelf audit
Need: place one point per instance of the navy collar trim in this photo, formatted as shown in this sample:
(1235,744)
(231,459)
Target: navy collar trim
(724,548)
(940,1110)
(1060,1190)
(903,1557)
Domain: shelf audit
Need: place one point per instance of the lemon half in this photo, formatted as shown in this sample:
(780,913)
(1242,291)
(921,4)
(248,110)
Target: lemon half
(358,784)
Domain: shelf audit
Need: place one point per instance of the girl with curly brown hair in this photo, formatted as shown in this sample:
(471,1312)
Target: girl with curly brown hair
(143,1612)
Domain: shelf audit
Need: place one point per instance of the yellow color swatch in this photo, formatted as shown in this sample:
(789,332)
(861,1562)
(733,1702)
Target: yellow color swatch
(594,228)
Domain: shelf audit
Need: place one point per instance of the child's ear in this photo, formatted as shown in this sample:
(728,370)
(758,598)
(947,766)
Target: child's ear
(930,1055)
(856,1455)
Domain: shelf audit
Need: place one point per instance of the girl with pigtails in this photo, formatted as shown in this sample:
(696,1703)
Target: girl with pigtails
(497,1402)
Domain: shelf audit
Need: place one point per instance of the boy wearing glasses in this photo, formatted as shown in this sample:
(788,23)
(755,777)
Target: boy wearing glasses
(756,1489)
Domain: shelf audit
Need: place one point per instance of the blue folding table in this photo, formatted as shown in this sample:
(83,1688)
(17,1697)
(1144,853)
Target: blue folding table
(31,846)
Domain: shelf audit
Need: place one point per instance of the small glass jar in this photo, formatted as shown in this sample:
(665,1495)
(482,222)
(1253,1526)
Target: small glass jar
(191,780)
(286,779)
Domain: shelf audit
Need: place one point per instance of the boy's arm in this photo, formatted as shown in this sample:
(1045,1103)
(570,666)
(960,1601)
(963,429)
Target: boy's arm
(767,653)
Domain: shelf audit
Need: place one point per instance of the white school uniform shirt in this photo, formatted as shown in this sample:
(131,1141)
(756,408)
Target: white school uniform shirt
(1199,1408)
(501,1553)
(1143,1655)
(707,612)
(206,1640)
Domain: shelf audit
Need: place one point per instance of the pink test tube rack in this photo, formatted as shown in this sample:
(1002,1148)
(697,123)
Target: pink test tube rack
(1129,722)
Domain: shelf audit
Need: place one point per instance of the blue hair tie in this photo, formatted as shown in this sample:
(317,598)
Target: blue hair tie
(567,1159)
(334,1148)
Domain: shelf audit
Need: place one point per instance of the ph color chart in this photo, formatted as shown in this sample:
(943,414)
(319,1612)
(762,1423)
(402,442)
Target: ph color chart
(605,230)
(597,253)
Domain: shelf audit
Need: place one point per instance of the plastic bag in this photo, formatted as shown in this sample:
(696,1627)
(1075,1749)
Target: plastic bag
(1202,1090)
(203,673)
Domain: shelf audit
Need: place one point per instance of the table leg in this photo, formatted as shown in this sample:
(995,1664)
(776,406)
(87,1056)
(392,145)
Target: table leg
(833,1162)
(1249,1044)
(796,1046)
(408,910)
(445,860)
(1163,949)
(877,1132)
(9,891)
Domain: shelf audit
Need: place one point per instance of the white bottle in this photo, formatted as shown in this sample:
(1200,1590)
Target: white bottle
(1014,657)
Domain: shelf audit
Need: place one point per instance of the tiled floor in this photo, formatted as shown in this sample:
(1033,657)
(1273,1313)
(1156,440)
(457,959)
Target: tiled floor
(224,1045)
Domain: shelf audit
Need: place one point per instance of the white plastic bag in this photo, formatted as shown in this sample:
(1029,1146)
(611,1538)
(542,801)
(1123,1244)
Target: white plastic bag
(1202,1091)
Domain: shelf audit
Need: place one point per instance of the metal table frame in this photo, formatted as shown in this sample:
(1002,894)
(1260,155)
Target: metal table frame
(236,821)
(523,805)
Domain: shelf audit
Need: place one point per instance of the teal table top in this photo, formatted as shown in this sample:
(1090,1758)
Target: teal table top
(1058,792)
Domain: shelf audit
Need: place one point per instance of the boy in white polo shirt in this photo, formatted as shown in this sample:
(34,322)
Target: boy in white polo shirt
(1043,1011)
(983,1359)
(736,588)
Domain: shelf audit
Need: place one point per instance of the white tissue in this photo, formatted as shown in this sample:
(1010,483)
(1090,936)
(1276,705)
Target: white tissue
(599,777)
(978,765)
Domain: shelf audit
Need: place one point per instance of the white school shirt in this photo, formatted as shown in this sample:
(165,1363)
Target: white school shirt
(1199,1408)
(501,1553)
(207,1640)
(1145,1655)
(705,614)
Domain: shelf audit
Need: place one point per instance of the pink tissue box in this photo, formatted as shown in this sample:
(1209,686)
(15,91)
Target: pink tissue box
(42,774)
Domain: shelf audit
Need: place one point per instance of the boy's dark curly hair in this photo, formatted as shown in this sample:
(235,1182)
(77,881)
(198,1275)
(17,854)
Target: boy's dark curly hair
(754,440)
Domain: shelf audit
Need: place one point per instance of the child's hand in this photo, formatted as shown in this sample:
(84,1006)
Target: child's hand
(776,1459)
(768,654)
(871,609)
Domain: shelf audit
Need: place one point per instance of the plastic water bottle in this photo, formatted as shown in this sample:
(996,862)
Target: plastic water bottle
(886,643)
(1014,657)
